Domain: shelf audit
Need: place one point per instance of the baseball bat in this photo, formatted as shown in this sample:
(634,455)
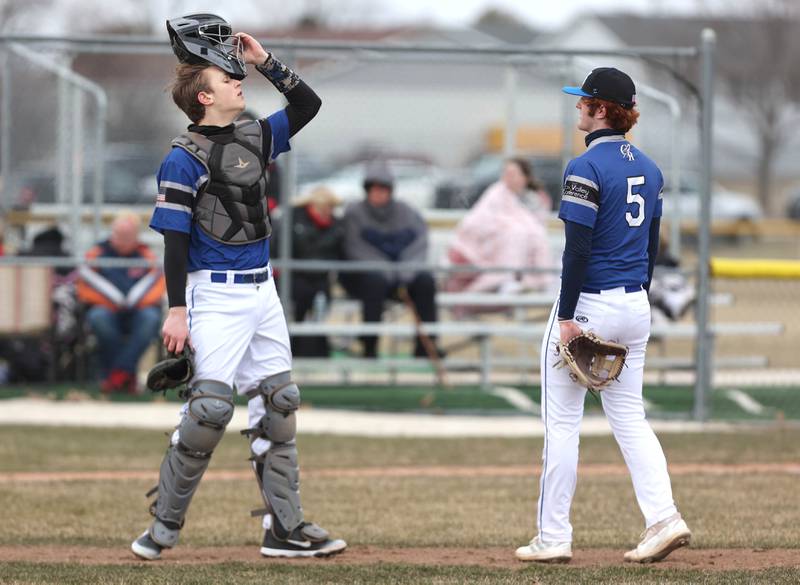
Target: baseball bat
(425,340)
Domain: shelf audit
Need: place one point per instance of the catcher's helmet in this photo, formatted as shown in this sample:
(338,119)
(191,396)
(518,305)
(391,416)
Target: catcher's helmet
(206,39)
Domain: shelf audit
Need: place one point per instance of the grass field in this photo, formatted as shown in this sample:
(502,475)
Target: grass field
(663,401)
(412,510)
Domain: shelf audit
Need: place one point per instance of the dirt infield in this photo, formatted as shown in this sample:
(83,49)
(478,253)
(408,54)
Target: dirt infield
(697,559)
(409,471)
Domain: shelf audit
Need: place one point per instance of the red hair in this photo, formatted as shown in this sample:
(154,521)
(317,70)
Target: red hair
(618,117)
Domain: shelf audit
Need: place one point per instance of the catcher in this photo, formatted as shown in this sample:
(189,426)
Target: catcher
(611,208)
(213,211)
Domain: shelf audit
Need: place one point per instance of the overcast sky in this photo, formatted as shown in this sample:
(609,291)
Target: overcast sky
(84,15)
(542,13)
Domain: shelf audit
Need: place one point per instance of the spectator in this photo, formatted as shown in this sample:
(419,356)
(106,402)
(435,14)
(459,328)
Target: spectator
(65,340)
(506,227)
(379,228)
(316,235)
(28,355)
(124,303)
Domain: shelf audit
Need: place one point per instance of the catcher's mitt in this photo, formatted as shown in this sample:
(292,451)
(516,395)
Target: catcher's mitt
(594,362)
(174,371)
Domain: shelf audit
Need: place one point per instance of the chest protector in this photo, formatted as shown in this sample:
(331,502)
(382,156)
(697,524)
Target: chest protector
(232,207)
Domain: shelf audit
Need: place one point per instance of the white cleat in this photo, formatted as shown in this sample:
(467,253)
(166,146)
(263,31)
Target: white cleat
(545,552)
(660,539)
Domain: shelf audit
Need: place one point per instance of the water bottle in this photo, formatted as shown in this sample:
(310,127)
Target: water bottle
(320,306)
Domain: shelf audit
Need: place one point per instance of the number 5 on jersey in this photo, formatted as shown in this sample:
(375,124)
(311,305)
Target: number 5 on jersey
(638,219)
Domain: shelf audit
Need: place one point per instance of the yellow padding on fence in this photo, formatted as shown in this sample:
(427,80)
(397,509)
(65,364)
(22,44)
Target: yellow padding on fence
(754,268)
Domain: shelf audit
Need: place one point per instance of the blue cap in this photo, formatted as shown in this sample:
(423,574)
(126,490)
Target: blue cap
(575,91)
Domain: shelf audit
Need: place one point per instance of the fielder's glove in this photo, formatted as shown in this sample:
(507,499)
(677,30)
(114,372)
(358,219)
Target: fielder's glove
(174,371)
(594,362)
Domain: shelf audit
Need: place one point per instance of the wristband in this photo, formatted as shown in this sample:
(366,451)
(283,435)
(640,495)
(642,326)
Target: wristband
(279,75)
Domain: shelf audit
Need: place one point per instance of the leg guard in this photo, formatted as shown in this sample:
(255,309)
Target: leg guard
(277,470)
(209,411)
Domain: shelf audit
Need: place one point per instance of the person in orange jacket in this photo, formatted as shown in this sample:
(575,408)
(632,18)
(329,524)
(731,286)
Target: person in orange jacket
(124,303)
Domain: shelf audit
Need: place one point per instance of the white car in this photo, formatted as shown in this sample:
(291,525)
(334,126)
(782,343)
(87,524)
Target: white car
(414,182)
(725,204)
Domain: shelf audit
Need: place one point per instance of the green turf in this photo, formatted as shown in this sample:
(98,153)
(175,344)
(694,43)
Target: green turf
(329,574)
(666,401)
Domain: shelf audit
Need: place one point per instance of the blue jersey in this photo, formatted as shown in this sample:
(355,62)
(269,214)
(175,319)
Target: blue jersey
(616,190)
(180,178)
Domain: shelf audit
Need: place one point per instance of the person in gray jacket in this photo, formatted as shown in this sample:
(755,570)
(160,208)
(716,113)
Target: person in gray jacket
(380,228)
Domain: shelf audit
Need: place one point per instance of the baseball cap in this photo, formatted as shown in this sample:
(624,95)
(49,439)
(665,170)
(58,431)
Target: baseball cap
(607,83)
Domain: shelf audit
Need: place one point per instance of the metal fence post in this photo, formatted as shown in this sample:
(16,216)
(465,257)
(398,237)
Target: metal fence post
(568,118)
(510,135)
(5,136)
(62,141)
(71,155)
(675,180)
(99,162)
(77,166)
(704,348)
(288,188)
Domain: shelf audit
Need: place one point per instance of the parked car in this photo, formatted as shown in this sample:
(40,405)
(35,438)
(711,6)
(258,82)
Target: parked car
(129,178)
(415,181)
(793,208)
(462,189)
(726,204)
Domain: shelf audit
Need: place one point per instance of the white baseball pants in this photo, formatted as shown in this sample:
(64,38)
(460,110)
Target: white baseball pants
(617,316)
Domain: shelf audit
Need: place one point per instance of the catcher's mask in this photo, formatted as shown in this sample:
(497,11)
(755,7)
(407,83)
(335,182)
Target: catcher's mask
(206,39)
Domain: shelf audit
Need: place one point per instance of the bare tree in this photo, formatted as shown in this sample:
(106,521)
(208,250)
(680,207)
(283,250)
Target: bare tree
(758,55)
(505,26)
(14,13)
(330,13)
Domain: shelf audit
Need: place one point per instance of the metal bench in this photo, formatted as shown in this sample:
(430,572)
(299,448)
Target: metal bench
(483,333)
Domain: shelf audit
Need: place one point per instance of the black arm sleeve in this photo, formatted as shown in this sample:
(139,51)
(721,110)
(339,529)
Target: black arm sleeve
(577,250)
(303,106)
(652,250)
(176,257)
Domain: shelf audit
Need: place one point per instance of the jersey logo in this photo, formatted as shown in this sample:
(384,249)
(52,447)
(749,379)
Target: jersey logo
(582,319)
(242,164)
(625,150)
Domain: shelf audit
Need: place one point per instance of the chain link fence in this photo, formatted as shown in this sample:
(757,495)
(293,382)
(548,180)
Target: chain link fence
(442,112)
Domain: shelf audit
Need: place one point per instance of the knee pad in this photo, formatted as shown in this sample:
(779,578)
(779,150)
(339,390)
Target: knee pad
(209,411)
(281,399)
